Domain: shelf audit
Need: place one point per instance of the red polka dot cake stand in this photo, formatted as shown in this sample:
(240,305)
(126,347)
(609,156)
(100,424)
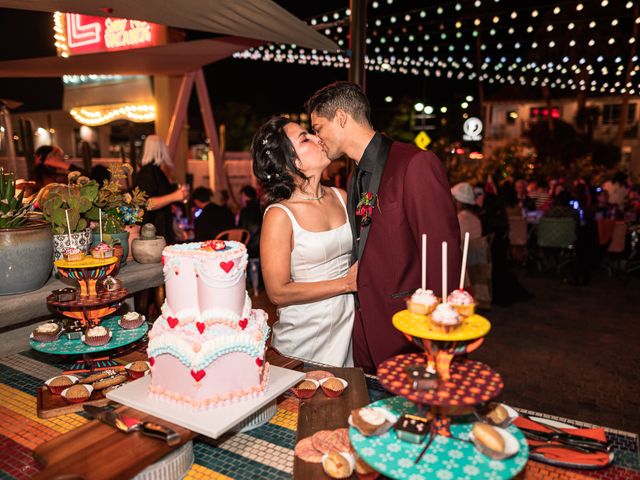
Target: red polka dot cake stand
(470,383)
(440,347)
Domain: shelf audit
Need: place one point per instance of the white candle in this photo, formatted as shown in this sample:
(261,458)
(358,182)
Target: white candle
(66,214)
(465,249)
(444,272)
(424,261)
(100,225)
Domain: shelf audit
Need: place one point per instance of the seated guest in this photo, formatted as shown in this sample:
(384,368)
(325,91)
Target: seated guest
(525,202)
(50,166)
(562,207)
(251,218)
(212,219)
(465,199)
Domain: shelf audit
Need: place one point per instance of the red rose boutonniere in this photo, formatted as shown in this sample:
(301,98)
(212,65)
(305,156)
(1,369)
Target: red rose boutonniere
(365,206)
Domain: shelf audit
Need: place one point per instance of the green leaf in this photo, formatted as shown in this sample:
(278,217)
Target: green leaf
(93,213)
(74,203)
(90,190)
(82,225)
(58,230)
(84,204)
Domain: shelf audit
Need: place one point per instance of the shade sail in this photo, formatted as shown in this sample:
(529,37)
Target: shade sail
(258,19)
(170,59)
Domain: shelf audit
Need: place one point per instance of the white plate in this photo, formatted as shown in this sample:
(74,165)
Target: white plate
(511,446)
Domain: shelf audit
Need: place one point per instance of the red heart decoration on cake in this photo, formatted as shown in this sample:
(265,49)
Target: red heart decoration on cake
(199,375)
(173,322)
(243,323)
(259,361)
(226,266)
(200,326)
(152,360)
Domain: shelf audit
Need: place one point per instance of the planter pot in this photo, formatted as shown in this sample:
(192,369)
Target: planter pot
(123,237)
(148,251)
(26,257)
(134,232)
(81,240)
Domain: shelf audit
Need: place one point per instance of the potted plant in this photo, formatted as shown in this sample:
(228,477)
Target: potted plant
(26,249)
(120,209)
(75,201)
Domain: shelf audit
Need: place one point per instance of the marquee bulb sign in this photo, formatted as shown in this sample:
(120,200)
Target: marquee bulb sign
(80,34)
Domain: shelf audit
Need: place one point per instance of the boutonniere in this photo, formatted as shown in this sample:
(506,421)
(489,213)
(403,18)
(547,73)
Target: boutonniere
(365,206)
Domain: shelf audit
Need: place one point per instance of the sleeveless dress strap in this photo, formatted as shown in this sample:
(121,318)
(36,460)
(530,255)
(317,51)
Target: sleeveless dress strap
(289,213)
(337,192)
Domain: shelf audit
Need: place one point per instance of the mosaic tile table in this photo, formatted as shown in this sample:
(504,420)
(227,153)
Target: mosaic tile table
(264,453)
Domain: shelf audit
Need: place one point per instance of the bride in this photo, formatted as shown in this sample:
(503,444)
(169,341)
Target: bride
(305,246)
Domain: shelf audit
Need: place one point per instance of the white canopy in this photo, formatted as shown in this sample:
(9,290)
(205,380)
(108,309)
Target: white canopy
(258,19)
(170,59)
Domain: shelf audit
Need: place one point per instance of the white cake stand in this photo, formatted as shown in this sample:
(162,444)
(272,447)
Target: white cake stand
(212,423)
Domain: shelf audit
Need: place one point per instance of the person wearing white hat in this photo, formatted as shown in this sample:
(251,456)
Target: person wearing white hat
(465,199)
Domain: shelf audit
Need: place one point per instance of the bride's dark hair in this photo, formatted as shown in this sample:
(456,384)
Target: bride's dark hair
(274,160)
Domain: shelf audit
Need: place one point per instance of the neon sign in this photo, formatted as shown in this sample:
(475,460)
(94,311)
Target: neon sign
(80,34)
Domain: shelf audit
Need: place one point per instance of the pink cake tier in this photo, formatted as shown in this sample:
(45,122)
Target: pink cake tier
(198,278)
(204,362)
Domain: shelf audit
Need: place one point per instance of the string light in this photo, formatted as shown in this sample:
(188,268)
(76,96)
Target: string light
(59,35)
(101,114)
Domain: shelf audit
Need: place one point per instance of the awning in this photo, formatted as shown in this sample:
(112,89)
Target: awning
(258,19)
(171,59)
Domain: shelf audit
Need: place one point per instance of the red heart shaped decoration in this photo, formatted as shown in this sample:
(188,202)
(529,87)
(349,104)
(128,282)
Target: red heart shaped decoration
(200,326)
(199,375)
(152,360)
(226,266)
(243,323)
(259,361)
(172,321)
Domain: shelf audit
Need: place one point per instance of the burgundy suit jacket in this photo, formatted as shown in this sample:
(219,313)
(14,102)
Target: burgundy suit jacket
(413,198)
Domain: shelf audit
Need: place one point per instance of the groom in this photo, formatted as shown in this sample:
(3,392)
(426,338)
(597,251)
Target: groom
(396,193)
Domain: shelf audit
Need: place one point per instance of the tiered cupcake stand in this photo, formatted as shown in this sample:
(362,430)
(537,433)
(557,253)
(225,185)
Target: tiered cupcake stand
(89,308)
(463,385)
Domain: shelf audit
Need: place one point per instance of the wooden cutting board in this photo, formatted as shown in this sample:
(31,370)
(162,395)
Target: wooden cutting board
(96,451)
(322,413)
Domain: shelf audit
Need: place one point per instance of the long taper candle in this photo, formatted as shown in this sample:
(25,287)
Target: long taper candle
(424,261)
(444,272)
(465,249)
(66,214)
(100,225)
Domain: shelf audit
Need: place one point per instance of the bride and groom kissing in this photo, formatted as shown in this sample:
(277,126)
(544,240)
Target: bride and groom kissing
(338,265)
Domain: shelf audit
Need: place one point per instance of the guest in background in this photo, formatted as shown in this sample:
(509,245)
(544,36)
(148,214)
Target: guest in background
(465,199)
(540,194)
(525,202)
(251,219)
(213,218)
(50,166)
(154,182)
(618,189)
(100,174)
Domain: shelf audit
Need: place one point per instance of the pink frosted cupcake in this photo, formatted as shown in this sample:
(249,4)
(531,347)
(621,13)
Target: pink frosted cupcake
(422,302)
(73,254)
(445,318)
(462,301)
(102,250)
(97,336)
(131,320)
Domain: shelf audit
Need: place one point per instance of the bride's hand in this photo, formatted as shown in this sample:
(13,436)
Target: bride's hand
(352,278)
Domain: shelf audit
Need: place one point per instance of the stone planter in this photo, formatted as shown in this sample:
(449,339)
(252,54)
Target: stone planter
(134,232)
(26,257)
(81,240)
(148,251)
(122,237)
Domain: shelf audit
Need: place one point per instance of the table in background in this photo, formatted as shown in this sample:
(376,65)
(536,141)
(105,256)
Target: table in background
(263,453)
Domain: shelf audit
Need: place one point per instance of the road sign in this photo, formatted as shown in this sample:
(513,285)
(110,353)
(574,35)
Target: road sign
(422,140)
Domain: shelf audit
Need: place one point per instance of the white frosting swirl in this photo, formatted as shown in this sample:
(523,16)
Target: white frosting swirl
(460,297)
(372,416)
(445,314)
(424,297)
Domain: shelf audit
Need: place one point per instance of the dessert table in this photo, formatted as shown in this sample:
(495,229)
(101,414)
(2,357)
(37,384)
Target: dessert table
(265,453)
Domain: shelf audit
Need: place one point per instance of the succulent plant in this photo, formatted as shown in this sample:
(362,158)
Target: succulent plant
(13,213)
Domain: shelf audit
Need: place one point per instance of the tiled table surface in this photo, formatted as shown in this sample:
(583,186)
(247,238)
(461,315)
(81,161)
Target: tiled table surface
(263,453)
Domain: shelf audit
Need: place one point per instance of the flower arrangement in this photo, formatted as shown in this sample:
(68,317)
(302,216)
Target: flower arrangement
(119,208)
(365,206)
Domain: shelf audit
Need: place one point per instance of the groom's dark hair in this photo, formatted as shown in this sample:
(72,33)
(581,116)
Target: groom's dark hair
(345,95)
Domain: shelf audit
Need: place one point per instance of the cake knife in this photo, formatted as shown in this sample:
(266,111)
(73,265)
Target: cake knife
(130,424)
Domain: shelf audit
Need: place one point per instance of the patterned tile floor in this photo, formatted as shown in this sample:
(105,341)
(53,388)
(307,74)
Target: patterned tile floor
(264,453)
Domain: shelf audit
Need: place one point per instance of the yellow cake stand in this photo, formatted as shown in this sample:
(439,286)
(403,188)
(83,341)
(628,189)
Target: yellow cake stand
(87,272)
(440,347)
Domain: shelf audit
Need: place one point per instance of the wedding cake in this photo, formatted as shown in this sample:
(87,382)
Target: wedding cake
(207,348)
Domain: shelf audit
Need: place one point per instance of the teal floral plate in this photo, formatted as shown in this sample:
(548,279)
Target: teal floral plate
(446,458)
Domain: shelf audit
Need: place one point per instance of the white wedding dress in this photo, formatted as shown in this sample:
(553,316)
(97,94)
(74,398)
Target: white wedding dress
(318,331)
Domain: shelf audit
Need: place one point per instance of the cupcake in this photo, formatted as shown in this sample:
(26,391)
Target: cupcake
(47,332)
(445,318)
(137,369)
(333,386)
(462,301)
(337,465)
(131,320)
(305,389)
(77,393)
(102,250)
(73,254)
(370,421)
(57,384)
(97,336)
(422,302)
